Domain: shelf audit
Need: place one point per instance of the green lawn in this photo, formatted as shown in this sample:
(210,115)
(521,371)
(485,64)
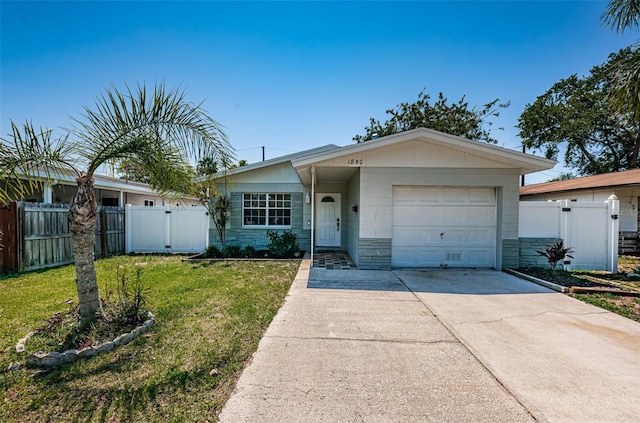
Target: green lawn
(210,319)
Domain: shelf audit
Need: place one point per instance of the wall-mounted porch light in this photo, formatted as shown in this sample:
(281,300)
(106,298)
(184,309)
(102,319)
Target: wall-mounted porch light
(307,198)
(355,208)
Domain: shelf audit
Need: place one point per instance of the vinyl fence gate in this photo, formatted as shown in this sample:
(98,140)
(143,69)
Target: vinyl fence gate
(166,229)
(591,229)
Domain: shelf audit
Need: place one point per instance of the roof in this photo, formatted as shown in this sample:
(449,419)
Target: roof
(302,161)
(527,163)
(275,161)
(625,178)
(100,182)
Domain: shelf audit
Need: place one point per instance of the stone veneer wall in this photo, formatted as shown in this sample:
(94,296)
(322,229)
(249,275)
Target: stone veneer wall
(528,251)
(257,237)
(511,253)
(374,254)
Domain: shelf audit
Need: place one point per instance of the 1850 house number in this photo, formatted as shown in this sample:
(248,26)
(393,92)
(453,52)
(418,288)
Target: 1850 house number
(355,162)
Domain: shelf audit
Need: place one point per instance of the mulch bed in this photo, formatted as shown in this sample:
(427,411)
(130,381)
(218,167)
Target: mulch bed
(562,278)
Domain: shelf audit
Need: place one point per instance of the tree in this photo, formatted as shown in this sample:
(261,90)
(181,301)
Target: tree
(131,170)
(575,114)
(621,15)
(207,166)
(455,118)
(160,129)
(564,176)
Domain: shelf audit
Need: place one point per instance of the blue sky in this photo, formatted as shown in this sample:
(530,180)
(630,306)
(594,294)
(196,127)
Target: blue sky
(296,75)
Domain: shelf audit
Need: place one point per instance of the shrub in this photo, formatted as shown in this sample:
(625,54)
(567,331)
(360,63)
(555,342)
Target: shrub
(555,253)
(213,252)
(249,251)
(127,305)
(232,251)
(284,245)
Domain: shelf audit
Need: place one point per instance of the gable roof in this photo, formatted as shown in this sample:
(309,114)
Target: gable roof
(274,161)
(527,163)
(625,178)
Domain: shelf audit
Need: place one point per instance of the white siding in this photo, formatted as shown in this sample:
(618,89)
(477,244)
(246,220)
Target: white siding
(419,154)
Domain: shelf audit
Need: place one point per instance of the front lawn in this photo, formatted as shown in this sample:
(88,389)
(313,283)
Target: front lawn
(210,319)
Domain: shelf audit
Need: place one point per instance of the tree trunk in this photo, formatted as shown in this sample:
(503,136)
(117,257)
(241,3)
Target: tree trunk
(83,216)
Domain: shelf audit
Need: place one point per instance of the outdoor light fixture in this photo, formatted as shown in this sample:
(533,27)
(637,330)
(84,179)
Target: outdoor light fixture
(355,208)
(307,198)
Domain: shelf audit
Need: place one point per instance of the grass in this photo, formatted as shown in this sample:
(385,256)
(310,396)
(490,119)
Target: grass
(210,319)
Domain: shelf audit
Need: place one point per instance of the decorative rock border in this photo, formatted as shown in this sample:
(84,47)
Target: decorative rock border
(54,359)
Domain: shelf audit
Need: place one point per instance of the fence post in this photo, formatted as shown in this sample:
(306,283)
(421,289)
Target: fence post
(103,233)
(613,212)
(127,229)
(167,228)
(21,223)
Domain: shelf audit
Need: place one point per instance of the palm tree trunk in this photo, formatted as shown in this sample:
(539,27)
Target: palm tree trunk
(83,216)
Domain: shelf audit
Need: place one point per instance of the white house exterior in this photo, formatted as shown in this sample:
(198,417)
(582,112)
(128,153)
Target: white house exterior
(420,198)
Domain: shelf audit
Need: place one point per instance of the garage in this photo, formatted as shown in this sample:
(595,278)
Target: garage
(443,226)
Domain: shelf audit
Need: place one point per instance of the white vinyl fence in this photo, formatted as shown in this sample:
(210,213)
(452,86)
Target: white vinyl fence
(166,229)
(591,229)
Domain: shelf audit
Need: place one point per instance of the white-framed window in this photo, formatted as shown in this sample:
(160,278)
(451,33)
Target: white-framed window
(149,203)
(266,209)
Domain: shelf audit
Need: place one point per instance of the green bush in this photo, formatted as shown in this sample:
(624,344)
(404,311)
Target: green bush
(249,251)
(284,245)
(213,252)
(232,251)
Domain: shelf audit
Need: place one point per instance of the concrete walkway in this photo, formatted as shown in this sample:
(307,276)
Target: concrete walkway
(438,346)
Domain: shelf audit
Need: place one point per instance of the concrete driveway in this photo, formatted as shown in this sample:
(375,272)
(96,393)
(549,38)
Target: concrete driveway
(438,346)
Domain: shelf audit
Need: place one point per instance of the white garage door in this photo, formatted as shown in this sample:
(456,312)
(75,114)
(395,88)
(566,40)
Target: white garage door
(435,227)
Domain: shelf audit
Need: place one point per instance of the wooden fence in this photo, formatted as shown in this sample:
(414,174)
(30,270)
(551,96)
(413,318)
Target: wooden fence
(40,235)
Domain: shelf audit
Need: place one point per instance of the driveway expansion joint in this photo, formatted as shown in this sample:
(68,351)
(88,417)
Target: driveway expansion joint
(391,341)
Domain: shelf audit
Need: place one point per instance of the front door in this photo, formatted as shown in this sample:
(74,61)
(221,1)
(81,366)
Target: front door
(328,223)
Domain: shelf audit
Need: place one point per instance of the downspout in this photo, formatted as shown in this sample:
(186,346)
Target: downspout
(313,208)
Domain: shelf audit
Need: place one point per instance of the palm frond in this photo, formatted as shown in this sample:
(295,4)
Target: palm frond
(29,157)
(132,122)
(620,15)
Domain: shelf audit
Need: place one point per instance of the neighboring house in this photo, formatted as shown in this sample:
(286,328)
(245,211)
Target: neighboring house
(420,198)
(109,192)
(625,185)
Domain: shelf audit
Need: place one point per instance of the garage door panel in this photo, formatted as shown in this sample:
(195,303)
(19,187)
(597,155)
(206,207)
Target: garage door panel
(443,226)
(407,257)
(458,196)
(412,237)
(478,258)
(480,236)
(481,216)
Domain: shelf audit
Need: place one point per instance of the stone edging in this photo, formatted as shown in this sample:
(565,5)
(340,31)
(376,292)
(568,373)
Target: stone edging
(539,281)
(53,359)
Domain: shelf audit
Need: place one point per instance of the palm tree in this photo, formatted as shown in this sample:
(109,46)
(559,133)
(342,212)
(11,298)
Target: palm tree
(160,131)
(622,15)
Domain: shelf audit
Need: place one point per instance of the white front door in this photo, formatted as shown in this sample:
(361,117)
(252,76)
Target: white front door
(328,222)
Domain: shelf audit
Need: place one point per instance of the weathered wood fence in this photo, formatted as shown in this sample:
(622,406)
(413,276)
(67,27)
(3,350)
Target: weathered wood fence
(37,236)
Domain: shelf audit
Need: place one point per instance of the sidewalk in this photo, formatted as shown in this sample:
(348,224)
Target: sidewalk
(358,346)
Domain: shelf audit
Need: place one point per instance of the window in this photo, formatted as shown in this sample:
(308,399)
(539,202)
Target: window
(260,209)
(149,203)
